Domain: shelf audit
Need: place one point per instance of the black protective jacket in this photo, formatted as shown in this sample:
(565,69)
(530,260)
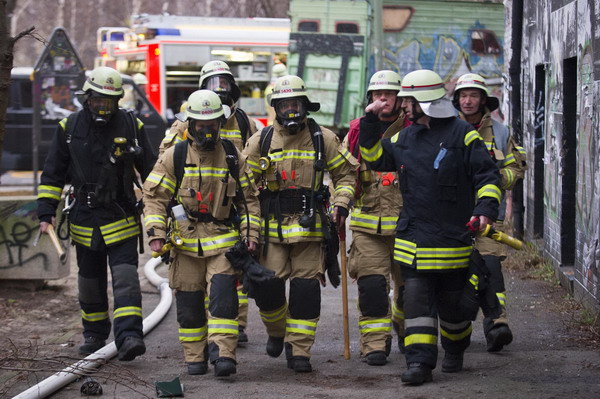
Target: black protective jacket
(446,176)
(85,165)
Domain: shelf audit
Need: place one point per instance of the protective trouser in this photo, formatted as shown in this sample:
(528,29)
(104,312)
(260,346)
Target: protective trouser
(496,281)
(214,330)
(243,307)
(371,259)
(302,263)
(427,296)
(93,298)
(398,301)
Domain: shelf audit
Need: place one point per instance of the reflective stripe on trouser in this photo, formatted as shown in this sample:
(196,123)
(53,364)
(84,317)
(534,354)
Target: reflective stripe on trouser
(242,307)
(93,298)
(373,333)
(191,317)
(224,334)
(427,296)
(274,321)
(301,335)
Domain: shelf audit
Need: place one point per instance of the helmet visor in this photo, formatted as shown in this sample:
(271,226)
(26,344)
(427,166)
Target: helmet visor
(291,108)
(218,84)
(102,105)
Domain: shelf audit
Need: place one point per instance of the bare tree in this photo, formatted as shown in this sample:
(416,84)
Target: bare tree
(7,43)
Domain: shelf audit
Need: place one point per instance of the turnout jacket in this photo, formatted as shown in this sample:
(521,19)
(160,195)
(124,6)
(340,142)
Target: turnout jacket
(293,159)
(95,225)
(446,176)
(230,130)
(509,157)
(378,199)
(207,192)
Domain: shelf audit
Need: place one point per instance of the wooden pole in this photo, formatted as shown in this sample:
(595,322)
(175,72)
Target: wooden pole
(344,272)
(59,249)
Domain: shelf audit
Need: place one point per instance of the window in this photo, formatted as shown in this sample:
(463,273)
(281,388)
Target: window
(396,18)
(484,42)
(308,26)
(346,27)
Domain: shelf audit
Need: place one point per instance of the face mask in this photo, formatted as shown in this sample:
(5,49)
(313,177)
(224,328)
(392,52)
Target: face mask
(290,114)
(222,87)
(102,109)
(206,136)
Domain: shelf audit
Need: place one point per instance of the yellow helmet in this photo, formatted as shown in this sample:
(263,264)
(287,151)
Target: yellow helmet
(204,105)
(424,85)
(384,80)
(104,80)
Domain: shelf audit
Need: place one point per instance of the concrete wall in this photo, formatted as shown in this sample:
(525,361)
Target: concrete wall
(19,259)
(560,78)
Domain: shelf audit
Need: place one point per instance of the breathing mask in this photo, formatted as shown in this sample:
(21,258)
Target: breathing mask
(102,108)
(290,113)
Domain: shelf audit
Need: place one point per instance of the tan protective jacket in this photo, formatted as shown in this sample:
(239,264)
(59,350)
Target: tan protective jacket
(292,158)
(377,209)
(230,131)
(204,189)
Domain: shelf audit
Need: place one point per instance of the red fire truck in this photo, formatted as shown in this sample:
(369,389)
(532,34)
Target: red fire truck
(170,51)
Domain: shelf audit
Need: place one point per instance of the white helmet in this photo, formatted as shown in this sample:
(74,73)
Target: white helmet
(384,80)
(204,105)
(474,81)
(104,80)
(140,79)
(279,70)
(428,89)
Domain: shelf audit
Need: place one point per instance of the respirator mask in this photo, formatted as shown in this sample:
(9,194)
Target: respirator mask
(290,113)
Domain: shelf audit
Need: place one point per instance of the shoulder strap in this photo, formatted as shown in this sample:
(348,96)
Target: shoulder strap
(266,135)
(231,159)
(179,156)
(243,123)
(69,132)
(318,142)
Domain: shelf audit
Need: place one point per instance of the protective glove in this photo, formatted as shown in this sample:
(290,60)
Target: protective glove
(254,273)
(332,266)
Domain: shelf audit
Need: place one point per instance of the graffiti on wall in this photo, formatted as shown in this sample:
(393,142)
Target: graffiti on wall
(19,257)
(449,54)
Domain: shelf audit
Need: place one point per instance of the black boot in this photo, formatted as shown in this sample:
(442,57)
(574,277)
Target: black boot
(300,364)
(242,336)
(197,368)
(274,346)
(497,337)
(452,362)
(417,374)
(131,348)
(376,358)
(91,345)
(224,367)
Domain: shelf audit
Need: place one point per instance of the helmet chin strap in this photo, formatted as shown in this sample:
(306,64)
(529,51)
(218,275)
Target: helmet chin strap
(416,115)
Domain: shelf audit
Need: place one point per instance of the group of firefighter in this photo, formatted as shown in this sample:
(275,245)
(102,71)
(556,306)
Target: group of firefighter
(240,213)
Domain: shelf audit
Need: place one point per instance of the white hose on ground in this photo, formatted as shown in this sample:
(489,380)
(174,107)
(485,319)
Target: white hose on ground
(95,360)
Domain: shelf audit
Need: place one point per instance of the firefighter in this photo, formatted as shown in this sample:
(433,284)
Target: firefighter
(447,180)
(472,98)
(277,71)
(288,160)
(373,224)
(216,76)
(98,149)
(199,198)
